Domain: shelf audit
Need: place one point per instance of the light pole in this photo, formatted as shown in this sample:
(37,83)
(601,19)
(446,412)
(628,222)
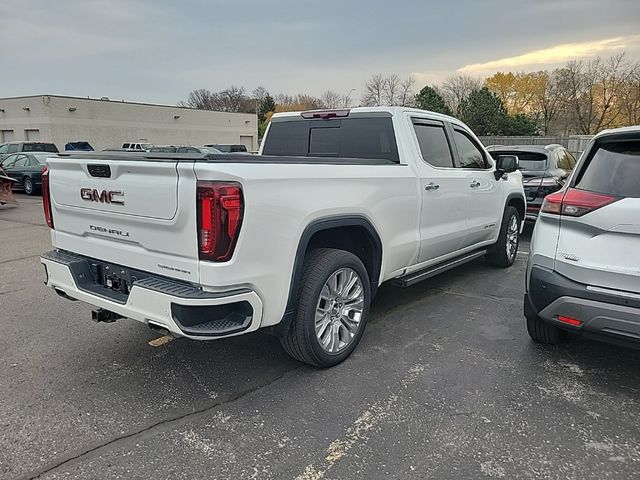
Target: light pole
(347,97)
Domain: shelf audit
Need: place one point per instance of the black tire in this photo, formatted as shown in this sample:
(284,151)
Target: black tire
(301,341)
(497,254)
(29,187)
(542,332)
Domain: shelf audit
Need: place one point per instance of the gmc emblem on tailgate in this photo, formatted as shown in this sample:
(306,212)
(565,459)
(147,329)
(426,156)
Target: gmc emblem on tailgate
(102,196)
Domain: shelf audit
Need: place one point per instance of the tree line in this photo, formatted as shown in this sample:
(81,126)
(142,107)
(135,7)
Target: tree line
(582,97)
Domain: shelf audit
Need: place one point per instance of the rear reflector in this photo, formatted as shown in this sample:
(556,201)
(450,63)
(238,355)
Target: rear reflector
(324,114)
(46,197)
(568,320)
(220,208)
(574,202)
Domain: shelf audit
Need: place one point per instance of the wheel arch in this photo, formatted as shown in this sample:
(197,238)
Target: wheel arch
(353,233)
(516,200)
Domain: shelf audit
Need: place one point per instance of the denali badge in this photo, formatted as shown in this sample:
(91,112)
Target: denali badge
(102,196)
(110,231)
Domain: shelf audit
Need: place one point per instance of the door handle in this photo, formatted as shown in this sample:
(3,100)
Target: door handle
(432,186)
(475,184)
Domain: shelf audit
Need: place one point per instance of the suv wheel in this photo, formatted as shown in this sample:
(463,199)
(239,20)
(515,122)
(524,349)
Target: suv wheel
(503,252)
(28,186)
(332,310)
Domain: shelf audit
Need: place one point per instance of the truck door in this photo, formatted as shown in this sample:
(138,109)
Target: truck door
(483,192)
(444,188)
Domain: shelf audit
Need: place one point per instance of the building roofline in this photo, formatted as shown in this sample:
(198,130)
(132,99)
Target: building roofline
(126,102)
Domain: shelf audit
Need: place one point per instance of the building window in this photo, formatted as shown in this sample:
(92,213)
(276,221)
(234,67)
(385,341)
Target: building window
(6,136)
(32,135)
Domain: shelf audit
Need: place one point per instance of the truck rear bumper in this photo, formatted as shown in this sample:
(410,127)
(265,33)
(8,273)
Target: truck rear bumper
(604,314)
(178,307)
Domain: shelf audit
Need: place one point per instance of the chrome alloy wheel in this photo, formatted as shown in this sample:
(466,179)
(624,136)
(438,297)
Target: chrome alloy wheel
(339,310)
(512,237)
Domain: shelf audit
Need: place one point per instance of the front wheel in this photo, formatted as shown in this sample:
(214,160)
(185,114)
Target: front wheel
(29,188)
(503,252)
(332,310)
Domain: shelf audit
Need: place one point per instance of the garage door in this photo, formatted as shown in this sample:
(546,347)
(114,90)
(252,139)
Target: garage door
(247,141)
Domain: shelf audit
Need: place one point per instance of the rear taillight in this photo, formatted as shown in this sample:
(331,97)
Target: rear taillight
(46,197)
(220,207)
(574,202)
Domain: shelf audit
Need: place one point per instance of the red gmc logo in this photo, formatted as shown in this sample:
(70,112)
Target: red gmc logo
(102,196)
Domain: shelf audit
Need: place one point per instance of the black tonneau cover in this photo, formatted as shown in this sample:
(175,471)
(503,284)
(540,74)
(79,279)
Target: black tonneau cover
(223,158)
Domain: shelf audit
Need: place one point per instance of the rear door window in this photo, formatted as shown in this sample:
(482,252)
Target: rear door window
(372,138)
(433,143)
(614,169)
(12,148)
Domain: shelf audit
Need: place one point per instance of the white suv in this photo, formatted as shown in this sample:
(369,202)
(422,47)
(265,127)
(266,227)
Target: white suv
(584,269)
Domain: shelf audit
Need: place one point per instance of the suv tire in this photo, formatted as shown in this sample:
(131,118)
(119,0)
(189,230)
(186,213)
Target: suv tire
(503,252)
(542,332)
(332,308)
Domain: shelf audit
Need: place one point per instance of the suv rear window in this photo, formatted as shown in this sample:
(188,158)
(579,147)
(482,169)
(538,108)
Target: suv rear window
(372,138)
(529,161)
(613,169)
(39,147)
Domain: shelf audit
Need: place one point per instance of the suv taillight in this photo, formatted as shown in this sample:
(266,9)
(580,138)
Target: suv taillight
(220,207)
(46,197)
(574,202)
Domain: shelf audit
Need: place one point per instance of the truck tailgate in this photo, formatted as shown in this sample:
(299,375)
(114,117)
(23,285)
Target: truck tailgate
(138,214)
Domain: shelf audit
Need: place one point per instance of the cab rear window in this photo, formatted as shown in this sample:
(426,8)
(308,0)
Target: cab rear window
(372,138)
(39,147)
(614,169)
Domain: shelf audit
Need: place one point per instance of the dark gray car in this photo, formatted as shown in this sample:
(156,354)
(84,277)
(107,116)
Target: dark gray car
(544,170)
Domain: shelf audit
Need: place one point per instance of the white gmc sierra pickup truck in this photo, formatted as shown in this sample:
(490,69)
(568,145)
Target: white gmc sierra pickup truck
(296,239)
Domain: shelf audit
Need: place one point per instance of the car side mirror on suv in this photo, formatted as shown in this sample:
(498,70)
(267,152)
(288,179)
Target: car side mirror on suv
(506,164)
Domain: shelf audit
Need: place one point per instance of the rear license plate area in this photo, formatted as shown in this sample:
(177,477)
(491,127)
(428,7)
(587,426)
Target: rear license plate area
(114,277)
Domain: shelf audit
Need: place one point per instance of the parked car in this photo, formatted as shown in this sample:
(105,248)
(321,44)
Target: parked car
(296,240)
(163,149)
(26,169)
(544,170)
(583,274)
(137,146)
(201,150)
(78,146)
(25,146)
(228,147)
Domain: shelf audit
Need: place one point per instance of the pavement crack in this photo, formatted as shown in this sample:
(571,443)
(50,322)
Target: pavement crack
(3,262)
(152,429)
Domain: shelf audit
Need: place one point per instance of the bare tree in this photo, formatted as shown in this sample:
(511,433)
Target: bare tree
(406,95)
(630,98)
(391,91)
(457,88)
(231,99)
(331,99)
(201,98)
(391,87)
(374,91)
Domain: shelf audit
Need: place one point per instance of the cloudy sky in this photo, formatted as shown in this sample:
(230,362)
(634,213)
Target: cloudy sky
(159,50)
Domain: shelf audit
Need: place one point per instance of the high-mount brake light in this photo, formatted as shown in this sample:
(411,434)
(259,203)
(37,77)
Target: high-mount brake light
(326,114)
(220,208)
(46,197)
(574,202)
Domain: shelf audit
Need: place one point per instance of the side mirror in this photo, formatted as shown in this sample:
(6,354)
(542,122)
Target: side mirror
(506,164)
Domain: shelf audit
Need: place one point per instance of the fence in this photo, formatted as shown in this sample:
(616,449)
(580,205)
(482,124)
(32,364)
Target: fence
(574,143)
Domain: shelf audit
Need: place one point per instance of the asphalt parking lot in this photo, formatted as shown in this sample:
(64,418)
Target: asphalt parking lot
(445,384)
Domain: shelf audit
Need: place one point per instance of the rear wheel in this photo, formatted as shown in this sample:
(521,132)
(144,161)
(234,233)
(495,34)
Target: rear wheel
(503,252)
(542,332)
(332,310)
(29,188)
